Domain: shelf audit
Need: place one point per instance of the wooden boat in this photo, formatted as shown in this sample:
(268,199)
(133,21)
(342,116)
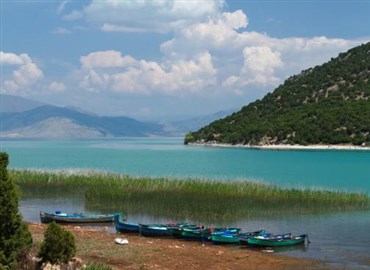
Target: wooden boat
(243,237)
(277,240)
(60,217)
(155,230)
(199,233)
(226,236)
(178,228)
(126,227)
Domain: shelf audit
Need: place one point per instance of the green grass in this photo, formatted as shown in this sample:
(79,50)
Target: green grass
(192,199)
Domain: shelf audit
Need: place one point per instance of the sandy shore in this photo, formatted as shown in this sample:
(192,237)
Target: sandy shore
(97,245)
(288,146)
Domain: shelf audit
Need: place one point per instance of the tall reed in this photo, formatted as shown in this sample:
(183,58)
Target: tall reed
(187,198)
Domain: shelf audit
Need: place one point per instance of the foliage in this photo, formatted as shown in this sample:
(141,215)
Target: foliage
(58,246)
(327,104)
(14,233)
(97,266)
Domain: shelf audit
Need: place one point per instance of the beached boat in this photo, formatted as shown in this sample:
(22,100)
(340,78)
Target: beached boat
(277,240)
(178,228)
(226,235)
(199,233)
(60,217)
(126,227)
(155,230)
(243,237)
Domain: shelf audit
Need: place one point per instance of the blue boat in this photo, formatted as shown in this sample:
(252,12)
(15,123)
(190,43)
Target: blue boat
(126,227)
(155,230)
(60,217)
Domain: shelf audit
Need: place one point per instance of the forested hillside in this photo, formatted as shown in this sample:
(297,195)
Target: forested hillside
(327,104)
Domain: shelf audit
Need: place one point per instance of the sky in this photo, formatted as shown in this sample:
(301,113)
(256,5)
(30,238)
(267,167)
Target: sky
(168,59)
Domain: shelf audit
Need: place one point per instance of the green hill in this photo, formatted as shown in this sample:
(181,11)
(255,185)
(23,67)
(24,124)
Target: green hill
(327,104)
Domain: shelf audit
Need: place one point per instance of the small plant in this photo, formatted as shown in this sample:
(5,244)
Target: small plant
(97,266)
(59,245)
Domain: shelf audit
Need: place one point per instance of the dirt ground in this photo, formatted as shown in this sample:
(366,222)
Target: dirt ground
(97,245)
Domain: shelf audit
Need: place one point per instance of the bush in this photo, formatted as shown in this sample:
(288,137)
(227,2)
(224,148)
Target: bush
(97,266)
(59,245)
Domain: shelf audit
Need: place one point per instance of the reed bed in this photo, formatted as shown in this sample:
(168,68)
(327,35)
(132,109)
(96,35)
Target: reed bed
(193,199)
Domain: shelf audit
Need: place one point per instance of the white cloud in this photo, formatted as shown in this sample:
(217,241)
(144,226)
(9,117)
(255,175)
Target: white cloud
(106,59)
(73,16)
(61,30)
(24,75)
(11,59)
(110,70)
(217,55)
(259,66)
(146,15)
(57,87)
(61,7)
(245,57)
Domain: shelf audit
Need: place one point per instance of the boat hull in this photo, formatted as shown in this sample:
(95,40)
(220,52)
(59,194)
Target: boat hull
(126,227)
(225,239)
(196,234)
(154,230)
(76,218)
(280,242)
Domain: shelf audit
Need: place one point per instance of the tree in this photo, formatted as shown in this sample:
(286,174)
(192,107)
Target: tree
(14,233)
(58,246)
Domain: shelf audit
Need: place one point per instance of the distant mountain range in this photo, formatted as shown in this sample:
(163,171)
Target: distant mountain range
(24,118)
(327,104)
(17,104)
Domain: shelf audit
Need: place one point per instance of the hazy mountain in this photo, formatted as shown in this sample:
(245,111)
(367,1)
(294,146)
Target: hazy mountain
(192,124)
(10,103)
(24,118)
(327,104)
(50,121)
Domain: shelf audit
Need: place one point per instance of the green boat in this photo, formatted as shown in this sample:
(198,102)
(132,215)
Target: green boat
(202,233)
(277,240)
(178,228)
(226,236)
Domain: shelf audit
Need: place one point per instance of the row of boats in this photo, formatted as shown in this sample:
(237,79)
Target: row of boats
(218,235)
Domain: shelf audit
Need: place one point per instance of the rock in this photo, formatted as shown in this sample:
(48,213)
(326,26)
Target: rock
(74,264)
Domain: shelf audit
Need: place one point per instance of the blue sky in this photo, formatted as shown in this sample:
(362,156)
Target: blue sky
(168,59)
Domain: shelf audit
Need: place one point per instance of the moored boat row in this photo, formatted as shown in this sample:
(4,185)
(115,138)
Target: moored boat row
(218,235)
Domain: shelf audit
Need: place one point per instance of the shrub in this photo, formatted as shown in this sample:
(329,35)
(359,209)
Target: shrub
(97,266)
(59,245)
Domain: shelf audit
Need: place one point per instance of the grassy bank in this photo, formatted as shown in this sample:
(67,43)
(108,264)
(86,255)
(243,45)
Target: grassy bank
(193,199)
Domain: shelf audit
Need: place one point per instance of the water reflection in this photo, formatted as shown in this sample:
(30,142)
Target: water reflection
(339,238)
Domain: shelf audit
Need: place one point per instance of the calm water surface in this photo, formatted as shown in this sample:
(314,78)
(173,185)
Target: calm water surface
(341,239)
(344,170)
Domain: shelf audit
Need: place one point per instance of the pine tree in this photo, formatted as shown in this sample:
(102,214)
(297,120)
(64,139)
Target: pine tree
(14,233)
(59,245)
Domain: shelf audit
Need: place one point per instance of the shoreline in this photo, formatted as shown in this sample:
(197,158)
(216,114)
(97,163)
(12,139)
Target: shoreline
(97,245)
(287,146)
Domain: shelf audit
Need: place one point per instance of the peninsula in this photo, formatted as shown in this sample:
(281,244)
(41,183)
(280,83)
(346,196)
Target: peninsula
(324,106)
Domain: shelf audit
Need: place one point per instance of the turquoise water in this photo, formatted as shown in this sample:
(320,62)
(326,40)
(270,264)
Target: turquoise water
(340,170)
(338,240)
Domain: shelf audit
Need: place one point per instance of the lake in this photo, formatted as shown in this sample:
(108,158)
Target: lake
(339,170)
(338,239)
